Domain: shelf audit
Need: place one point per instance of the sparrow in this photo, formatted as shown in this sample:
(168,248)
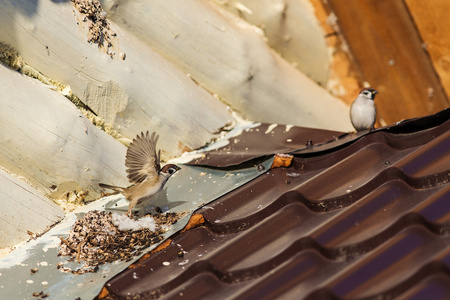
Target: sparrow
(144,170)
(363,112)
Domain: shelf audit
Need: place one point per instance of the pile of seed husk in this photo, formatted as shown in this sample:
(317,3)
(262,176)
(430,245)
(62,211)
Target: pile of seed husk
(96,240)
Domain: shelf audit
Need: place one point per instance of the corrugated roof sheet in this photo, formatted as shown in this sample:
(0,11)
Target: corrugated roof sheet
(368,218)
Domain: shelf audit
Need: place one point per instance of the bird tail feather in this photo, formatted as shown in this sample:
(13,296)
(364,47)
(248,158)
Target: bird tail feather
(110,187)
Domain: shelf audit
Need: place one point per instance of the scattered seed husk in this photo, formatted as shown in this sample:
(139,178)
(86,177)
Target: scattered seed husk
(95,240)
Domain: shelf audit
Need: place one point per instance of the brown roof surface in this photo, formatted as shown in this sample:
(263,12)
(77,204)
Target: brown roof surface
(367,218)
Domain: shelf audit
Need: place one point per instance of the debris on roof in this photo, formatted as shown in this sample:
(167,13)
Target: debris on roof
(103,237)
(97,249)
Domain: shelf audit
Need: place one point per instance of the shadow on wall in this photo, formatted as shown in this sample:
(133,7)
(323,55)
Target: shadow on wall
(32,6)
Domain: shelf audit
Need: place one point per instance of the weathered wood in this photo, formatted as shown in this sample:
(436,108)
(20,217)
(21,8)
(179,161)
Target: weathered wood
(431,19)
(291,29)
(388,50)
(230,58)
(23,211)
(142,92)
(45,139)
(344,78)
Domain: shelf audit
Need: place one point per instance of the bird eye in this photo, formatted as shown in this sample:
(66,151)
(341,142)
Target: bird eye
(171,170)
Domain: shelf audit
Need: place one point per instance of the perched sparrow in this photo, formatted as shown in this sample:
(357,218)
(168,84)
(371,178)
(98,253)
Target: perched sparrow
(363,112)
(144,170)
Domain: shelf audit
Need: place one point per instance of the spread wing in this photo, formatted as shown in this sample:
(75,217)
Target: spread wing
(141,160)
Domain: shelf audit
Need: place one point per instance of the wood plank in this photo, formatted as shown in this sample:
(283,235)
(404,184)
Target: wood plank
(431,19)
(45,139)
(23,209)
(291,29)
(142,92)
(344,78)
(231,58)
(388,50)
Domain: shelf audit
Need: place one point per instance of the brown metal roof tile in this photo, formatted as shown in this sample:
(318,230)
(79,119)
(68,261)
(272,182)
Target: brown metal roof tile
(367,218)
(266,139)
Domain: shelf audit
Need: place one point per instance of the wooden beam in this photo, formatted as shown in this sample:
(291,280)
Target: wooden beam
(431,19)
(390,54)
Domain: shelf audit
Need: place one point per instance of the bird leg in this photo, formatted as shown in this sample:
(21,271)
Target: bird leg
(132,204)
(129,214)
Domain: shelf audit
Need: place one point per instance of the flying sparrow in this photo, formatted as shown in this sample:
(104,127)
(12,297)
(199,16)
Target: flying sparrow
(144,170)
(363,112)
